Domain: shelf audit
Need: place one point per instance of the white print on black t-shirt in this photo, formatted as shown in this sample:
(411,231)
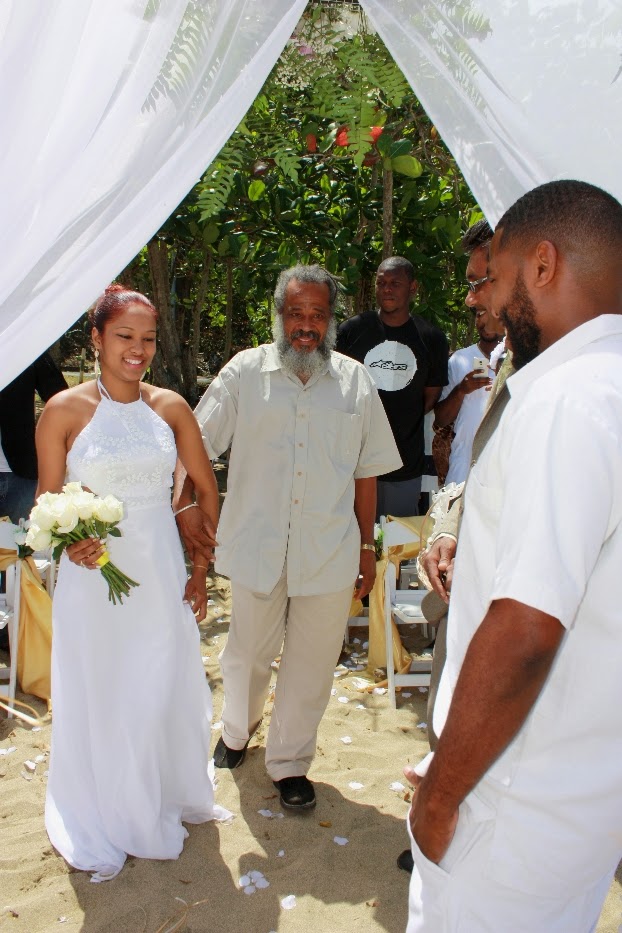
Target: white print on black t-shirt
(391,365)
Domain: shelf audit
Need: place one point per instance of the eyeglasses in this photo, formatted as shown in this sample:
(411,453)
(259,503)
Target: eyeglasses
(476,283)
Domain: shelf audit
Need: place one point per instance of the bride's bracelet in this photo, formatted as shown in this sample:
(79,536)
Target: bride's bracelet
(193,505)
(200,567)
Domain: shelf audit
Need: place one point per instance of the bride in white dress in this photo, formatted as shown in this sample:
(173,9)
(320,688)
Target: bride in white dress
(131,705)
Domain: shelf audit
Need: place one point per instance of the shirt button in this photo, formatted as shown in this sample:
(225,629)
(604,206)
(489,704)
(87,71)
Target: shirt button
(295,501)
(301,415)
(299,473)
(301,445)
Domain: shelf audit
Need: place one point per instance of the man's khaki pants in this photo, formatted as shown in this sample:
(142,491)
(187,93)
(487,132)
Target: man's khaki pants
(311,631)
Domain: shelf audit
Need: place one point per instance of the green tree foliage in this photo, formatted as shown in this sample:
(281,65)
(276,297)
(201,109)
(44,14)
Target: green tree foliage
(335,161)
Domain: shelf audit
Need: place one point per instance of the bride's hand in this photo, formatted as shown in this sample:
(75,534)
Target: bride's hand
(196,592)
(85,553)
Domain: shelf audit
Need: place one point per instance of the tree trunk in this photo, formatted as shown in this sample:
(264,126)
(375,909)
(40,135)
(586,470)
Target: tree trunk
(364,298)
(454,334)
(189,327)
(226,356)
(167,361)
(198,305)
(56,354)
(387,213)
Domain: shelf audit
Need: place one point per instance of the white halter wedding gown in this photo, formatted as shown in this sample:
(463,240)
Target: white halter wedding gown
(131,705)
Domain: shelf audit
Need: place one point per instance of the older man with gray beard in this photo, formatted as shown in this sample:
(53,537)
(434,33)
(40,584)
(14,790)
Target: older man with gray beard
(308,437)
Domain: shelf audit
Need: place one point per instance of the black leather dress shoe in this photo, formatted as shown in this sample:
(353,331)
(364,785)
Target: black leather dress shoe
(296,793)
(225,757)
(405,861)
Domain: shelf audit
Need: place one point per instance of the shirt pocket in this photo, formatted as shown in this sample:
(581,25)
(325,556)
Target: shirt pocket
(342,433)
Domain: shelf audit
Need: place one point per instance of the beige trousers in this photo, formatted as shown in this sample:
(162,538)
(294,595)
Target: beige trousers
(310,630)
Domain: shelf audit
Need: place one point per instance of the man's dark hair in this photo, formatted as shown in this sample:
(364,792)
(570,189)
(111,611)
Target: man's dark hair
(582,221)
(313,274)
(397,263)
(480,234)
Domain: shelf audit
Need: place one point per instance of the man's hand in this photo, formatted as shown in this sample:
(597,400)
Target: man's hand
(438,564)
(473,381)
(196,593)
(367,574)
(433,832)
(196,530)
(413,778)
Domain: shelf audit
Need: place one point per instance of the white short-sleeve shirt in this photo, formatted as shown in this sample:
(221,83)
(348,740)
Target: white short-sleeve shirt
(542,525)
(295,453)
(470,415)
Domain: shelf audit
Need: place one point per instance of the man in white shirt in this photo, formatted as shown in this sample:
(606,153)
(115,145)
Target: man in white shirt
(308,437)
(516,822)
(464,399)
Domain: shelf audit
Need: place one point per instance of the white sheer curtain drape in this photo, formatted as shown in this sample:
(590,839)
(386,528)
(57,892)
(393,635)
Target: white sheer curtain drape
(521,93)
(110,111)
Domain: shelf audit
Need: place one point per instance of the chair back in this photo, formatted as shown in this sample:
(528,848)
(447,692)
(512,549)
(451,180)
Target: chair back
(7,536)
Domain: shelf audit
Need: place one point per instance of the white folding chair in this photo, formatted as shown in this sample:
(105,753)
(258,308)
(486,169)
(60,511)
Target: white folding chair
(404,607)
(9,610)
(10,601)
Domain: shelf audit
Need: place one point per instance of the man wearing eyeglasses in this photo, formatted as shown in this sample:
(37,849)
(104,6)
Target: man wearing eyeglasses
(463,400)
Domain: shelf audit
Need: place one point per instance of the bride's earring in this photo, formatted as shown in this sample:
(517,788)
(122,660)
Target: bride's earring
(96,367)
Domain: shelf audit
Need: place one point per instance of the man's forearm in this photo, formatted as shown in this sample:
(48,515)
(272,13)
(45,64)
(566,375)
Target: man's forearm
(365,507)
(502,675)
(431,395)
(448,410)
(183,487)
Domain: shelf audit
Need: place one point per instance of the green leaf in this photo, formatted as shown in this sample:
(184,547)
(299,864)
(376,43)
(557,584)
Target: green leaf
(384,144)
(407,165)
(400,147)
(325,185)
(256,189)
(325,144)
(210,234)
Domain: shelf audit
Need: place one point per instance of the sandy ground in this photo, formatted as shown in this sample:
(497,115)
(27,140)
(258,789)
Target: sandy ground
(355,886)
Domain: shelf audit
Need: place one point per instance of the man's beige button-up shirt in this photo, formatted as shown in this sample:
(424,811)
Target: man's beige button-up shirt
(295,453)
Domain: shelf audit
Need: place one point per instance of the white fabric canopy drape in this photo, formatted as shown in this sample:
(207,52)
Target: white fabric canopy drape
(112,109)
(521,93)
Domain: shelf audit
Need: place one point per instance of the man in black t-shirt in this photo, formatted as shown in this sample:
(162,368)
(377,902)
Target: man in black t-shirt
(407,359)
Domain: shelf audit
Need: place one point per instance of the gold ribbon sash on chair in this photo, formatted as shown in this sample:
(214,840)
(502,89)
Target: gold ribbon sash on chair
(377,655)
(34,651)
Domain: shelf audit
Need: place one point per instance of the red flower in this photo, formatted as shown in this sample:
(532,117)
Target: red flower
(376,131)
(342,137)
(311,141)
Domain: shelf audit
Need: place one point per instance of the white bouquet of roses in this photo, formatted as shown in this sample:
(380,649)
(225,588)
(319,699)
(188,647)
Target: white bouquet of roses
(61,518)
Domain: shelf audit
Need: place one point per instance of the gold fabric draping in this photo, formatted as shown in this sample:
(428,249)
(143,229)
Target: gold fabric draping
(34,651)
(377,655)
(356,608)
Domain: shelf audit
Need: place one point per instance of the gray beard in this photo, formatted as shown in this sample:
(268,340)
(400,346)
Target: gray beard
(302,363)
